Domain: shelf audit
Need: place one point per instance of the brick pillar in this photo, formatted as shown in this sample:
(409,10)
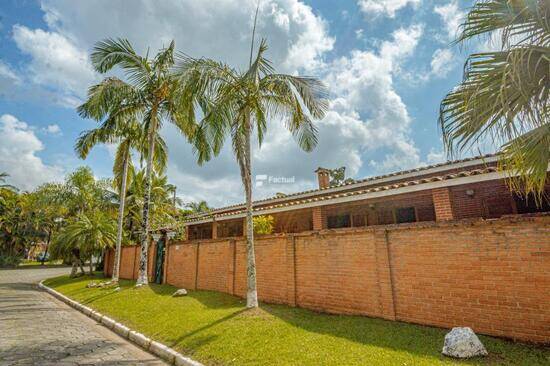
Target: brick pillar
(290,250)
(442,204)
(383,270)
(166,260)
(106,263)
(214,229)
(232,248)
(197,248)
(319,218)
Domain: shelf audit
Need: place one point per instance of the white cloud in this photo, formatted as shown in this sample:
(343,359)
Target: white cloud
(220,29)
(55,61)
(436,156)
(384,7)
(442,63)
(8,79)
(367,114)
(53,129)
(298,39)
(451,16)
(18,155)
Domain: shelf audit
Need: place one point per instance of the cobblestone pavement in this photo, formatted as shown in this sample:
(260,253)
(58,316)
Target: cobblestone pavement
(37,329)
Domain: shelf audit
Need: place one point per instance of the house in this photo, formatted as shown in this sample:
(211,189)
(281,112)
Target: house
(467,188)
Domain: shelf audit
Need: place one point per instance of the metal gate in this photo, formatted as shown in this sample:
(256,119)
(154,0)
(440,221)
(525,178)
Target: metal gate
(159,261)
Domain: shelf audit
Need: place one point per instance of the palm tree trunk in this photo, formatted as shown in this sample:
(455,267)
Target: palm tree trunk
(246,172)
(91,265)
(142,274)
(118,247)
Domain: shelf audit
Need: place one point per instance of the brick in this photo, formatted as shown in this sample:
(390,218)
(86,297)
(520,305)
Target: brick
(486,274)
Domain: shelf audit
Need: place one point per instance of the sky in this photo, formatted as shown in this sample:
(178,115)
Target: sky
(386,63)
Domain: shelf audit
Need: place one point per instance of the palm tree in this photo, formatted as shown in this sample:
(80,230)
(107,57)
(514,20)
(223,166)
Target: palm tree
(162,210)
(198,207)
(91,233)
(3,177)
(129,135)
(504,95)
(236,103)
(149,95)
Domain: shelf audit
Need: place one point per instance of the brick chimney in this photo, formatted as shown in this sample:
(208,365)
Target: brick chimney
(323,176)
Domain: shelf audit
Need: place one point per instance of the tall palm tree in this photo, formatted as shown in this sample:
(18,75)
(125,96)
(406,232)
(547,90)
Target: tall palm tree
(237,103)
(150,95)
(129,135)
(504,95)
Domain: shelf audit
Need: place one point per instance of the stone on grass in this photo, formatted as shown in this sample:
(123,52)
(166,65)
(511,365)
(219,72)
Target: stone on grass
(180,292)
(462,342)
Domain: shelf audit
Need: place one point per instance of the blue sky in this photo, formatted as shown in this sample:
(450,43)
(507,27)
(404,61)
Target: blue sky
(388,64)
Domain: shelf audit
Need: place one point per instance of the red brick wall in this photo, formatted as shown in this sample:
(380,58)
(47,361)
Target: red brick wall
(181,266)
(490,200)
(491,275)
(337,273)
(214,262)
(129,262)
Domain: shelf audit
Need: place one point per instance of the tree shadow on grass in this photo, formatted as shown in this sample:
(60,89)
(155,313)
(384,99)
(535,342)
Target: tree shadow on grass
(205,339)
(414,339)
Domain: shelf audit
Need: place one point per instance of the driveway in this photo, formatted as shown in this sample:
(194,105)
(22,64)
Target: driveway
(37,329)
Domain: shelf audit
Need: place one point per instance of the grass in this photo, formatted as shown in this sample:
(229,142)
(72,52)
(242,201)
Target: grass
(215,328)
(33,263)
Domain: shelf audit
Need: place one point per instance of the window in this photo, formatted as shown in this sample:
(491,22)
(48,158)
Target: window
(405,214)
(338,221)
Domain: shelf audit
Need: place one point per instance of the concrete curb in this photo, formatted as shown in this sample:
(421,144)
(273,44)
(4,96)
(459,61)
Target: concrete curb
(158,349)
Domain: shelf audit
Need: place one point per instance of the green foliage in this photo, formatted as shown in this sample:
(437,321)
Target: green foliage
(263,224)
(338,176)
(504,96)
(236,103)
(216,329)
(197,207)
(91,233)
(162,211)
(7,260)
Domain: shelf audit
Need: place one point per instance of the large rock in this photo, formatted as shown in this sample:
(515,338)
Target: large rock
(463,343)
(180,292)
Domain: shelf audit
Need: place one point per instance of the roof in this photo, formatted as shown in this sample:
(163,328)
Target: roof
(358,186)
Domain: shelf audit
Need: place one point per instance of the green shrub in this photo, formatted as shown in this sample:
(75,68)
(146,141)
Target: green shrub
(263,224)
(10,260)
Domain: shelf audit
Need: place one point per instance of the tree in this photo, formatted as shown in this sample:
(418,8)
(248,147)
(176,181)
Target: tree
(198,207)
(91,233)
(504,95)
(162,211)
(129,135)
(237,103)
(3,185)
(338,176)
(150,95)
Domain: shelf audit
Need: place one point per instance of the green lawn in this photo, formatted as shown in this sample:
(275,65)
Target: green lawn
(32,263)
(215,328)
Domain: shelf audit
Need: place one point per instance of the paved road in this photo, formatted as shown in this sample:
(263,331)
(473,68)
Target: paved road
(37,329)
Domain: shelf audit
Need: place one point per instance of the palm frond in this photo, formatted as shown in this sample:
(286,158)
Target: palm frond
(110,53)
(527,159)
(521,21)
(504,95)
